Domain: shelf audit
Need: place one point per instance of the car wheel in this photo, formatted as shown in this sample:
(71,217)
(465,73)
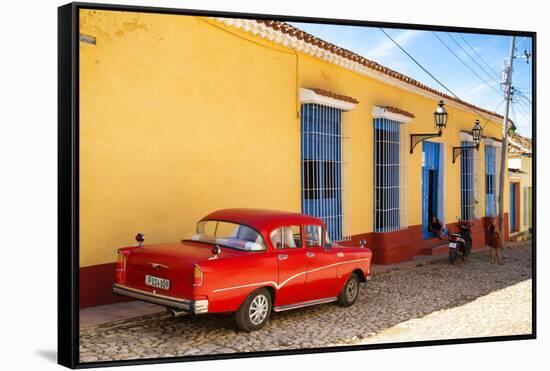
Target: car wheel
(350,292)
(254,312)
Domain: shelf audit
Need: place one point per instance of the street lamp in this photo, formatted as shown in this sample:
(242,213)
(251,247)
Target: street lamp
(477,130)
(476,133)
(440,117)
(440,121)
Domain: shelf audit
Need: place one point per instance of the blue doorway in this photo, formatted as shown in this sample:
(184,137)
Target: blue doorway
(430,185)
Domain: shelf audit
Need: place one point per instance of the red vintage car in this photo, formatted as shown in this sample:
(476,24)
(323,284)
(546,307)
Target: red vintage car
(246,261)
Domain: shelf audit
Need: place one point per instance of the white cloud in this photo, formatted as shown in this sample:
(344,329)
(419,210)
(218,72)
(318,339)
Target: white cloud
(387,46)
(470,92)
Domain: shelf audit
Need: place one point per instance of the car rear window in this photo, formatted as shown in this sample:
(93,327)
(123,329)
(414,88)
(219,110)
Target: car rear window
(228,234)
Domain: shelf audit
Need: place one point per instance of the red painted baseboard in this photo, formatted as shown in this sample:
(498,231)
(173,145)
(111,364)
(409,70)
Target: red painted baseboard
(388,248)
(96,286)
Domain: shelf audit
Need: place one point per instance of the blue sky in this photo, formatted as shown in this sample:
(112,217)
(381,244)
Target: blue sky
(426,47)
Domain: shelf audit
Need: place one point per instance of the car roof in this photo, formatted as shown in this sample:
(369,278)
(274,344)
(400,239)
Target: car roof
(263,220)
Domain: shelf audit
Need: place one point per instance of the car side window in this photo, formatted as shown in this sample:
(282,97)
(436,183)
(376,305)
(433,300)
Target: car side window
(313,235)
(286,237)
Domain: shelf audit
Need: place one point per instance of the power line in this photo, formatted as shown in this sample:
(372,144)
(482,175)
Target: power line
(466,64)
(430,74)
(519,95)
(479,56)
(522,111)
(519,99)
(516,118)
(513,113)
(487,120)
(522,40)
(524,108)
(473,59)
(527,104)
(418,63)
(522,95)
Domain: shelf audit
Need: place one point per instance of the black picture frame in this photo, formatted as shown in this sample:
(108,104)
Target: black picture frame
(68,182)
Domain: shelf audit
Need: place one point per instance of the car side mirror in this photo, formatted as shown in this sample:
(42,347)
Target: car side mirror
(362,243)
(328,245)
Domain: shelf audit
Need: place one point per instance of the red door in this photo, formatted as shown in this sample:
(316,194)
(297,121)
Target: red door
(321,272)
(292,265)
(292,276)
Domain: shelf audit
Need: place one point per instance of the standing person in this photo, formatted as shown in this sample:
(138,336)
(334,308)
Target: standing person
(495,243)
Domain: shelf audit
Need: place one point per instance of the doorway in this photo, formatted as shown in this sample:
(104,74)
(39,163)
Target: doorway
(432,200)
(514,207)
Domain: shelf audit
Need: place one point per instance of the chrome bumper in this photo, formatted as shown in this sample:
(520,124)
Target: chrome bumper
(191,306)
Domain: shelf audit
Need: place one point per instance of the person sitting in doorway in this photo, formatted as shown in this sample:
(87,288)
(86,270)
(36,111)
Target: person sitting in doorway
(436,228)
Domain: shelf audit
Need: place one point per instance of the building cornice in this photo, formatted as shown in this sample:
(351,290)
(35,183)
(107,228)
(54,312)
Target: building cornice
(392,113)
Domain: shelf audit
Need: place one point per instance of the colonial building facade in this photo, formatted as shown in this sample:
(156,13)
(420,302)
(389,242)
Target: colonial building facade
(521,191)
(182,115)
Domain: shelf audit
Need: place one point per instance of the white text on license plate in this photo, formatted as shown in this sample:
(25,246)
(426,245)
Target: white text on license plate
(452,245)
(161,283)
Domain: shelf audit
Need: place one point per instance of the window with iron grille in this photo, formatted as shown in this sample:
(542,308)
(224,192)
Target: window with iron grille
(469,183)
(490,181)
(325,167)
(390,175)
(492,177)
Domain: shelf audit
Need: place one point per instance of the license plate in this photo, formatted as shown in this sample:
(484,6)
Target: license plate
(452,245)
(161,283)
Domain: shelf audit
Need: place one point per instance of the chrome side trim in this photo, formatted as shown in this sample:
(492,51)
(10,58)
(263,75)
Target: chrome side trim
(278,286)
(270,283)
(304,304)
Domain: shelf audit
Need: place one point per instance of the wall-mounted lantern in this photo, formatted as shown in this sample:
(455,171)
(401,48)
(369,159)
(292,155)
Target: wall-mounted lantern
(476,135)
(440,121)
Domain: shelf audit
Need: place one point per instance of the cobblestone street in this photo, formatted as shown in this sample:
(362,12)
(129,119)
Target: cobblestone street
(431,301)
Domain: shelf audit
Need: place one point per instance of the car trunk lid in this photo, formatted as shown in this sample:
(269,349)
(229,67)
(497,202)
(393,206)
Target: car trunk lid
(174,260)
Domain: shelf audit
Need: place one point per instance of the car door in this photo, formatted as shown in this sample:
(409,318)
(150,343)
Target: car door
(292,265)
(321,271)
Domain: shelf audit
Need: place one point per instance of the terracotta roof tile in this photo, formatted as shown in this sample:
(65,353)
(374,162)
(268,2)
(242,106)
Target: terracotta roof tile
(399,111)
(330,94)
(518,144)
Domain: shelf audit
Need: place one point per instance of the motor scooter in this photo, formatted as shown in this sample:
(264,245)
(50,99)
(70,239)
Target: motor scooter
(460,244)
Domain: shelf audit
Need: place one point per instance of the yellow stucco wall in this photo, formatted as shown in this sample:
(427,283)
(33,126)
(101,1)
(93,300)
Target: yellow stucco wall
(181,115)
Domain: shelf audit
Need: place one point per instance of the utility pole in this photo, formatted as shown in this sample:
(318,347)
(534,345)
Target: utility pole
(507,77)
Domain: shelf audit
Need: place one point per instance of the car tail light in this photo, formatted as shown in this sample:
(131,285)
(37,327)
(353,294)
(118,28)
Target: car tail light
(197,276)
(120,271)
